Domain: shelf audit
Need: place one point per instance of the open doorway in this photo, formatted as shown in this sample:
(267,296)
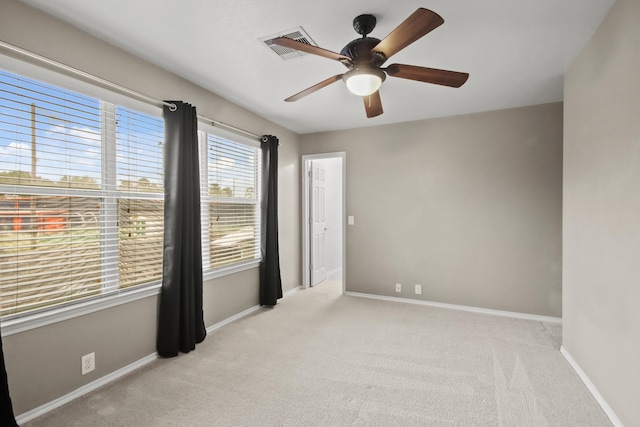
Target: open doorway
(323,242)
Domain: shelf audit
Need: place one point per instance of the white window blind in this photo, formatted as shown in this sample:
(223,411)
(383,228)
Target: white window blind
(80,197)
(140,202)
(231,223)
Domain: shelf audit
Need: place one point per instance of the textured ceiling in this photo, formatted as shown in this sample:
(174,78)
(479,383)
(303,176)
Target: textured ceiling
(516,52)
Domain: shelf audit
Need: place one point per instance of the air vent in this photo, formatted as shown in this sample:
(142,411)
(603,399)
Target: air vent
(298,34)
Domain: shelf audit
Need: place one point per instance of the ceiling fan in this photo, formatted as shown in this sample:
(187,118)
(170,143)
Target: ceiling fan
(364,58)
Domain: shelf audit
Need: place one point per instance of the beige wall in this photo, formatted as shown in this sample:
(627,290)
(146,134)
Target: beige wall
(469,207)
(44,364)
(601,217)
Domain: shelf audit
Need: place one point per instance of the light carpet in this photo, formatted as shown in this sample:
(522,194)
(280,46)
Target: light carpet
(323,359)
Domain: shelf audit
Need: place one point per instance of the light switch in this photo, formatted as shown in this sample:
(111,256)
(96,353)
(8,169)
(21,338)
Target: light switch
(351,220)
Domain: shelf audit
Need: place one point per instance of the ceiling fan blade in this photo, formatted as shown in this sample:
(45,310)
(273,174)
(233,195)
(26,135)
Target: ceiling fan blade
(373,104)
(314,88)
(427,75)
(315,50)
(421,22)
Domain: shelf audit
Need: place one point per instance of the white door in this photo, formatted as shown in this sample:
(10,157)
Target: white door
(318,224)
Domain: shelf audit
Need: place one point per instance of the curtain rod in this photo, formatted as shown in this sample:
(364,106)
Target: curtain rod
(230,127)
(119,88)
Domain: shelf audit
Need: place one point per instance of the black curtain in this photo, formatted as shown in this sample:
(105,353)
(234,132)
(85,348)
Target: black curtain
(180,319)
(270,281)
(6,409)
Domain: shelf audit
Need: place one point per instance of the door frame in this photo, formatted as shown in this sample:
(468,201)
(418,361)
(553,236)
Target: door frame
(306,232)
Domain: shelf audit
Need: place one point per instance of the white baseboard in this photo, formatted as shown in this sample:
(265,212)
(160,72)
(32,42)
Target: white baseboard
(592,388)
(233,318)
(516,315)
(291,291)
(246,312)
(94,385)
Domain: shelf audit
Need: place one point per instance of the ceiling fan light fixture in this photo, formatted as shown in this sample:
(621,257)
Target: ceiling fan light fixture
(364,82)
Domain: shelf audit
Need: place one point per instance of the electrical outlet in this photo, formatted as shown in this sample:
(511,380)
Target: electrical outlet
(418,289)
(398,287)
(88,363)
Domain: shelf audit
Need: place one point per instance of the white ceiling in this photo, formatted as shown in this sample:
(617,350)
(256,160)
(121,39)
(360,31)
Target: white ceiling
(516,52)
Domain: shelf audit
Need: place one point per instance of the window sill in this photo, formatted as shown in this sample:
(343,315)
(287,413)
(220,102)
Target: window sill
(37,320)
(223,271)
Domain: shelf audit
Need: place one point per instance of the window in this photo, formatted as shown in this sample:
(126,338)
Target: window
(230,211)
(81,197)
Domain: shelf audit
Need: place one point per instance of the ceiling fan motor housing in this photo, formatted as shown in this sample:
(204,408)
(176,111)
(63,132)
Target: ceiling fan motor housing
(359,50)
